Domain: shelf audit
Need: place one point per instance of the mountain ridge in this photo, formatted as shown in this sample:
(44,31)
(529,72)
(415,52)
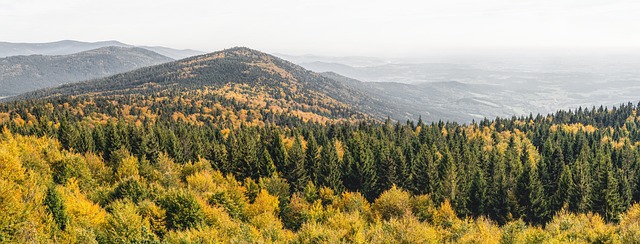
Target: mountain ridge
(66,47)
(26,73)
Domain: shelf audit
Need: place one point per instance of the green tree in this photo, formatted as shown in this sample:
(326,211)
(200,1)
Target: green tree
(68,135)
(295,171)
(330,173)
(182,210)
(477,193)
(55,206)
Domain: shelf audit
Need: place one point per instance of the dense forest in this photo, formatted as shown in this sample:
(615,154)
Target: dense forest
(281,160)
(503,172)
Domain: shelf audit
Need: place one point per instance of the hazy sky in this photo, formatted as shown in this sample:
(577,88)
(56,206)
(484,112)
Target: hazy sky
(329,27)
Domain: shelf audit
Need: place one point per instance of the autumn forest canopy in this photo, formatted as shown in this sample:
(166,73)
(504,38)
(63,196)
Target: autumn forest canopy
(240,146)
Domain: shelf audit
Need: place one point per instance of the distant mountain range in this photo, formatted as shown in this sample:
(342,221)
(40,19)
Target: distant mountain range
(454,92)
(66,47)
(20,74)
(287,86)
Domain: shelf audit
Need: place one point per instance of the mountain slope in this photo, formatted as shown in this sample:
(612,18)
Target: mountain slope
(20,74)
(66,47)
(238,80)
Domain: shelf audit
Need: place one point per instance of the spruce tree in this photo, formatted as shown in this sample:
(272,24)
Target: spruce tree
(295,171)
(477,194)
(422,163)
(55,206)
(330,173)
(312,159)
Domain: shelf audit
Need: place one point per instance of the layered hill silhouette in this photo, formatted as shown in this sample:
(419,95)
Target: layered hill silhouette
(19,74)
(270,83)
(67,47)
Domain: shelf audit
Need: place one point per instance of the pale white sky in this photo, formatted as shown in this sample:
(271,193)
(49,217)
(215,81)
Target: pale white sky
(329,27)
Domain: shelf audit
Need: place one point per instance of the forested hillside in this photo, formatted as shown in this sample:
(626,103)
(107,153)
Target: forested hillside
(267,82)
(232,147)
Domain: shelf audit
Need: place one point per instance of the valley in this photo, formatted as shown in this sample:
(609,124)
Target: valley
(491,87)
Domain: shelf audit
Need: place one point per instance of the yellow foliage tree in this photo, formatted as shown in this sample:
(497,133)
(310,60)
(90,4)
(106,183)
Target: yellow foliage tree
(127,168)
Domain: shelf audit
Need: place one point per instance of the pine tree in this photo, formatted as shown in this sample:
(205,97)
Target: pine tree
(498,205)
(565,187)
(330,174)
(113,140)
(580,194)
(278,152)
(365,168)
(449,177)
(530,193)
(68,135)
(422,163)
(295,172)
(248,164)
(267,167)
(55,206)
(612,202)
(312,159)
(386,168)
(402,172)
(99,140)
(477,194)
(538,212)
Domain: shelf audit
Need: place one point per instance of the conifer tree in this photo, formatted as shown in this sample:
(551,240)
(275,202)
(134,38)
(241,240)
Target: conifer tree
(449,177)
(420,174)
(580,194)
(55,206)
(565,187)
(611,194)
(295,172)
(278,152)
(477,194)
(312,159)
(386,168)
(330,174)
(68,135)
